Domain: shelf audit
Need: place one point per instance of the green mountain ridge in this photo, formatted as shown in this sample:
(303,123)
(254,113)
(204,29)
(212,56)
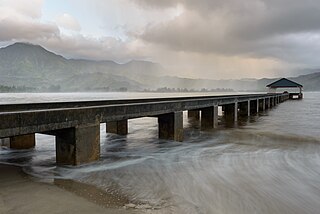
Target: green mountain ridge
(32,65)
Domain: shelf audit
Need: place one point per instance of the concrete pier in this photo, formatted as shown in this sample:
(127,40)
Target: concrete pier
(117,127)
(27,141)
(78,145)
(76,125)
(171,126)
(209,117)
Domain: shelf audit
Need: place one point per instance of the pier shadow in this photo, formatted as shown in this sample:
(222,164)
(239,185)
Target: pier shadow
(110,198)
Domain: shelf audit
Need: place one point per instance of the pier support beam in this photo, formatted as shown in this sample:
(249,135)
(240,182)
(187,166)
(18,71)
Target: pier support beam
(171,126)
(117,127)
(209,118)
(78,145)
(244,108)
(194,114)
(23,141)
(231,112)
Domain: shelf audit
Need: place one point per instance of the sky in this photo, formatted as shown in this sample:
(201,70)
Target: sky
(208,39)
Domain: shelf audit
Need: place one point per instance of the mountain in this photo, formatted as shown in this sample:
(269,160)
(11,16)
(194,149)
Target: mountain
(310,82)
(23,64)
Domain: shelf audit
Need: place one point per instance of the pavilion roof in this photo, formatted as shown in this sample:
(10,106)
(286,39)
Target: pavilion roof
(284,83)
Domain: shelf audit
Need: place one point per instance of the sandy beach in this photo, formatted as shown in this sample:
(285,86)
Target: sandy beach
(21,194)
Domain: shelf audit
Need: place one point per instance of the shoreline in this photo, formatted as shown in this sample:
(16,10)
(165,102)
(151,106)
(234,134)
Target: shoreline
(20,193)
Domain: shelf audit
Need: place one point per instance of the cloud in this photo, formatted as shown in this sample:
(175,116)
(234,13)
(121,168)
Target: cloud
(68,22)
(255,28)
(22,21)
(203,38)
(28,8)
(17,29)
(85,47)
(19,20)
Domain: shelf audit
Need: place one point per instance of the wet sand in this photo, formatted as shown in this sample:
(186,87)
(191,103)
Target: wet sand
(21,194)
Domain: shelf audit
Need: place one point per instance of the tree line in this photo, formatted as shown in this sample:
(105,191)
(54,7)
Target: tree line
(166,89)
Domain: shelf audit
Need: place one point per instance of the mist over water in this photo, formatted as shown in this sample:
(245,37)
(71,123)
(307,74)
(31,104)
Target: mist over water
(265,164)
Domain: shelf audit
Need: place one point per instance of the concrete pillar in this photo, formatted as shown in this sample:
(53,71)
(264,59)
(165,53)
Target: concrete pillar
(266,103)
(78,145)
(244,108)
(269,103)
(5,142)
(253,106)
(257,106)
(194,114)
(209,118)
(231,111)
(117,127)
(23,141)
(262,104)
(171,126)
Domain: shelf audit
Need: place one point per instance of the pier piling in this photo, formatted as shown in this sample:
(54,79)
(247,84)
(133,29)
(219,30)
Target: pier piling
(209,117)
(171,126)
(27,141)
(78,145)
(194,114)
(117,127)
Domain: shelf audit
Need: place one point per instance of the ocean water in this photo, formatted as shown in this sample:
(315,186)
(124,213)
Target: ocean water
(268,163)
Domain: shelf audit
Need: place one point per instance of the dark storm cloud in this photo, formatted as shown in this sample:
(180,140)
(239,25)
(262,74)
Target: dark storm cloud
(260,28)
